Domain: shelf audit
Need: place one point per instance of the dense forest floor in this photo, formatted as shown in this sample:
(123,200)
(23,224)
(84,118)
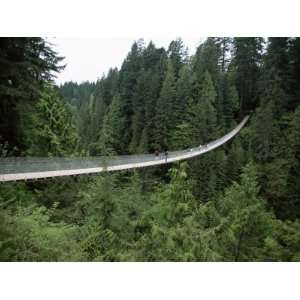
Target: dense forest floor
(237,203)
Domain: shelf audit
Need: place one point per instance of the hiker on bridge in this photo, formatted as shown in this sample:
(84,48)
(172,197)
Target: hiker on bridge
(156,154)
(166,154)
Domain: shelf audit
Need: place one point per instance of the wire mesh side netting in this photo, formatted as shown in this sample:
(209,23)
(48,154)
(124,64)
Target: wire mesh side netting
(19,165)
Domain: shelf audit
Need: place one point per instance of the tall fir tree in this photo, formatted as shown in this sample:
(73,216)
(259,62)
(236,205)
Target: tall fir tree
(56,134)
(247,58)
(165,117)
(112,129)
(25,65)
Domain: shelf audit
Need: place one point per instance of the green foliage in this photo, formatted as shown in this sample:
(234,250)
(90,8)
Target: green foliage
(172,233)
(177,54)
(112,129)
(31,236)
(164,117)
(26,63)
(28,234)
(245,64)
(207,59)
(246,222)
(55,135)
(182,136)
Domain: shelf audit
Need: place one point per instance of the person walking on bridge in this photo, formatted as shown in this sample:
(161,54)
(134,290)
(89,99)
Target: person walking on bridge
(156,154)
(166,155)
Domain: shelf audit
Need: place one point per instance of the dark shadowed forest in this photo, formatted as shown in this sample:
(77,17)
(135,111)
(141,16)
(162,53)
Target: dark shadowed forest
(240,202)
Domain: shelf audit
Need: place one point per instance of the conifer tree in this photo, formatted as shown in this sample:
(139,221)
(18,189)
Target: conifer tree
(128,77)
(110,137)
(293,191)
(55,135)
(205,123)
(246,223)
(225,44)
(164,117)
(207,59)
(247,58)
(185,91)
(294,62)
(26,63)
(177,54)
(138,116)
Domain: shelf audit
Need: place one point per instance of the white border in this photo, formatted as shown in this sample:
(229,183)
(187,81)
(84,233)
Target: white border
(156,18)
(149,281)
(135,19)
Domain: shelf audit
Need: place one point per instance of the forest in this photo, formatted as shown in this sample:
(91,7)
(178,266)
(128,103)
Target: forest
(240,202)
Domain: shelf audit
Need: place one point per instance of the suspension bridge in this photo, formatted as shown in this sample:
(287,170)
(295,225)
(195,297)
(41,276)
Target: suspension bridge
(33,168)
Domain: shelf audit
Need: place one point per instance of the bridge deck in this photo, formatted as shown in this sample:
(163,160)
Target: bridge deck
(14,169)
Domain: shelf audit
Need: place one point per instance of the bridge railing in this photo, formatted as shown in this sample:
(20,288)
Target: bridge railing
(17,165)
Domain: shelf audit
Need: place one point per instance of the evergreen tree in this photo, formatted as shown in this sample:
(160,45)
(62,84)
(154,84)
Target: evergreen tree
(263,136)
(230,102)
(245,224)
(293,191)
(205,120)
(55,135)
(138,117)
(294,62)
(173,233)
(109,142)
(164,117)
(207,58)
(247,56)
(177,54)
(25,64)
(185,91)
(225,44)
(129,75)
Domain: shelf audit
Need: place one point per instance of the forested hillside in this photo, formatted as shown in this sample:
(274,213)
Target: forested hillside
(239,202)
